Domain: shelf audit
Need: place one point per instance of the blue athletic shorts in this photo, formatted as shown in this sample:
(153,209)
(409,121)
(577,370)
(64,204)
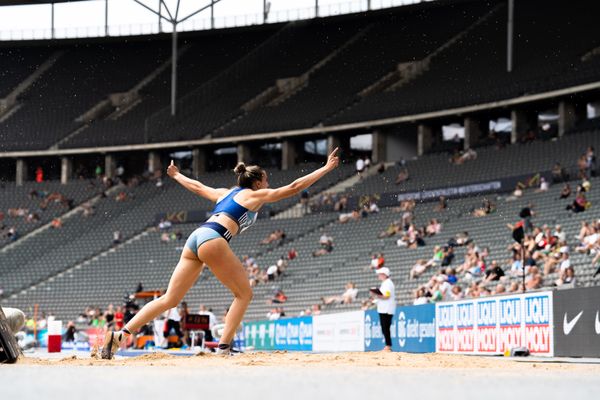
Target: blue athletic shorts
(207,231)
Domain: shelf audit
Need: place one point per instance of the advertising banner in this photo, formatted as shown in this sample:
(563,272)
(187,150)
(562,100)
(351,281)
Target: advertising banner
(259,335)
(577,322)
(339,332)
(412,331)
(492,325)
(294,334)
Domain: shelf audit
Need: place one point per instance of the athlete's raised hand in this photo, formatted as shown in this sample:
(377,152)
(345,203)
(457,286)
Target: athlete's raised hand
(172,169)
(333,160)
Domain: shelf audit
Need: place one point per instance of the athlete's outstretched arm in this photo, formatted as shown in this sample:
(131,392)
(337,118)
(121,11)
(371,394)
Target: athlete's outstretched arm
(273,195)
(194,186)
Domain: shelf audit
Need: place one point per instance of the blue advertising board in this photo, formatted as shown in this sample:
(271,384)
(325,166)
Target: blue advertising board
(412,331)
(294,334)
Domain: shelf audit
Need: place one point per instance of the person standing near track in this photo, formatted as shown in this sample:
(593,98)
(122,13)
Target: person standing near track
(386,305)
(235,210)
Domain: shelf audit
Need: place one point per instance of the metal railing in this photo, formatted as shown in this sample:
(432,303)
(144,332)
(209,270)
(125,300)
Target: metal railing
(199,24)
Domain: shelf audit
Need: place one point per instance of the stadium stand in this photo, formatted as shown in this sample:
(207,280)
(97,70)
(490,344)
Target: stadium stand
(229,87)
(286,76)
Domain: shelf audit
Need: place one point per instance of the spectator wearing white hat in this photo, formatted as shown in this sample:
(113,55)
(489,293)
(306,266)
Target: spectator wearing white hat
(386,304)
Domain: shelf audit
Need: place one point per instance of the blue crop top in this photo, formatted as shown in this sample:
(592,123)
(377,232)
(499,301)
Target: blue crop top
(240,214)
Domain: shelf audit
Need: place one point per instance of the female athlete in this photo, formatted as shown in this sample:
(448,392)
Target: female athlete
(235,210)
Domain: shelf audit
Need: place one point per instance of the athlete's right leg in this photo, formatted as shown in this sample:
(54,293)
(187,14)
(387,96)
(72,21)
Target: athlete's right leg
(185,275)
(229,270)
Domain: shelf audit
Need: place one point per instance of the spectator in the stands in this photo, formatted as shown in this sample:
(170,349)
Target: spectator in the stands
(347,297)
(360,166)
(391,230)
(579,204)
(456,293)
(403,176)
(164,224)
(544,185)
(347,217)
(275,313)
(486,208)
(590,161)
(565,192)
(433,228)
(420,297)
(117,237)
(567,277)
(516,268)
(377,261)
(460,239)
(304,199)
(326,243)
(559,174)
(341,204)
(442,204)
(279,296)
(56,223)
(448,256)
(292,253)
(534,280)
(499,289)
(282,265)
(494,272)
(39,175)
(276,235)
(272,272)
(517,193)
(418,269)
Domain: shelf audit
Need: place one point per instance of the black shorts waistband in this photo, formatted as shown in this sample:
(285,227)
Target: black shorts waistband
(220,229)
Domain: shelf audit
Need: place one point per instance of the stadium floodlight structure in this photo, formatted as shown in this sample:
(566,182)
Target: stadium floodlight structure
(173,18)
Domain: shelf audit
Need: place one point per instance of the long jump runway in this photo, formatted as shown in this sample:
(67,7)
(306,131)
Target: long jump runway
(288,376)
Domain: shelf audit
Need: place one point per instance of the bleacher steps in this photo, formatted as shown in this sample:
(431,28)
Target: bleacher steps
(25,238)
(10,101)
(406,72)
(296,210)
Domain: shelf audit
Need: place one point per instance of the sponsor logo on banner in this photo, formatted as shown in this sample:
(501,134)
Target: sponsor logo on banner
(339,332)
(537,324)
(445,327)
(413,329)
(510,323)
(465,324)
(294,334)
(260,335)
(576,322)
(493,325)
(487,319)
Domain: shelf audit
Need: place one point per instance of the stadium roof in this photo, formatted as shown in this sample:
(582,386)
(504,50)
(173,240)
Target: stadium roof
(30,2)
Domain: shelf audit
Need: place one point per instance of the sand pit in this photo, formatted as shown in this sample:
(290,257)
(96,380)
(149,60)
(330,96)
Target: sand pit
(304,360)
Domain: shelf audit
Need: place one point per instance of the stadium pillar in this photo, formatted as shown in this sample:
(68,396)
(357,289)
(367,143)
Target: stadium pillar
(66,167)
(568,116)
(472,132)
(109,166)
(243,153)
(154,163)
(289,153)
(343,142)
(21,175)
(424,139)
(198,161)
(521,123)
(379,147)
